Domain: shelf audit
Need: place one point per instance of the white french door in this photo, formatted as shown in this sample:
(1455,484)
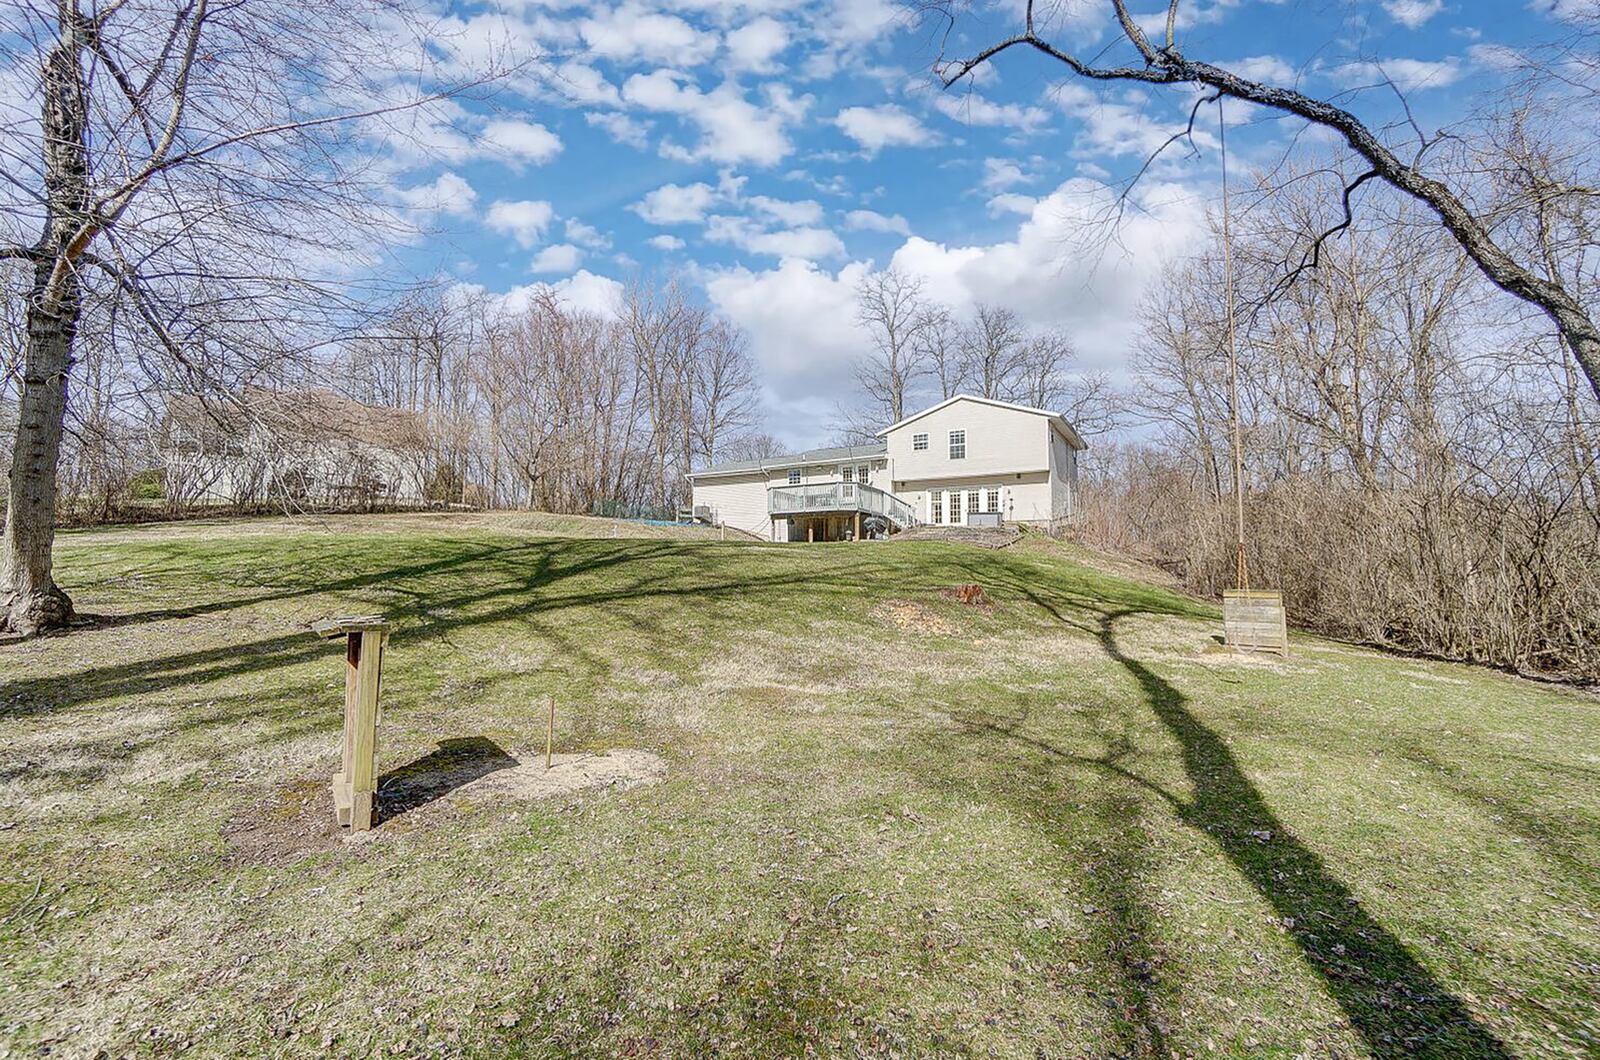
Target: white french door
(953,510)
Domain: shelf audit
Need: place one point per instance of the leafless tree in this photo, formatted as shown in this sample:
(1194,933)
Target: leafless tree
(1164,62)
(754,447)
(890,306)
(993,347)
(724,390)
(189,164)
(1413,474)
(938,341)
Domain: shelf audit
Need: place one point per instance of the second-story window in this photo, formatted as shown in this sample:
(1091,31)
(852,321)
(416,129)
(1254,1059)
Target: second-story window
(919,442)
(794,476)
(846,472)
(958,445)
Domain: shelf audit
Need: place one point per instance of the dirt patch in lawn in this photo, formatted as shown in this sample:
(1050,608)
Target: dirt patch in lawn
(912,617)
(297,819)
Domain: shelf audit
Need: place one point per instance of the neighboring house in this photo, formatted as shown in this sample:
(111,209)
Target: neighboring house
(312,446)
(964,461)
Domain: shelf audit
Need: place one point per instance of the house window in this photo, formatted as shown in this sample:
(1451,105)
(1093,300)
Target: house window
(846,472)
(958,445)
(991,499)
(794,476)
(919,442)
(973,496)
(862,472)
(938,507)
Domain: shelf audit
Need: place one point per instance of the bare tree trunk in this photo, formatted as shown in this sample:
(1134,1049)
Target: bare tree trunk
(30,601)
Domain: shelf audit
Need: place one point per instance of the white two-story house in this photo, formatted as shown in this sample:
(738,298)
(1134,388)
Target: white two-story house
(966,460)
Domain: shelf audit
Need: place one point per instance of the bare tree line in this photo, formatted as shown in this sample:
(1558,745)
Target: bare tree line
(922,351)
(1420,464)
(562,409)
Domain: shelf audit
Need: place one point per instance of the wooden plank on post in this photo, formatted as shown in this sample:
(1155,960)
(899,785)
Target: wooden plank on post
(355,784)
(363,764)
(1254,620)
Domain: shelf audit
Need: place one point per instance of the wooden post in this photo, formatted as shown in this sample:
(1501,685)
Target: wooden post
(355,785)
(550,732)
(811,530)
(858,526)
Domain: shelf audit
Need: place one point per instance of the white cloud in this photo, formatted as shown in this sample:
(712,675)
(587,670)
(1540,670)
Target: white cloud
(1011,202)
(586,235)
(872,221)
(666,242)
(801,320)
(1267,69)
(755,44)
(449,194)
(1133,124)
(1496,56)
(524,220)
(885,125)
(583,84)
(999,173)
(1408,75)
(629,33)
(732,129)
(521,140)
(633,132)
(559,257)
(1412,13)
(970,108)
(810,243)
(676,204)
(801,317)
(848,30)
(803,212)
(583,291)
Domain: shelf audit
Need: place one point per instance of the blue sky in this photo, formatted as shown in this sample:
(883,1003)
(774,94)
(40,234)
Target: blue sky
(772,153)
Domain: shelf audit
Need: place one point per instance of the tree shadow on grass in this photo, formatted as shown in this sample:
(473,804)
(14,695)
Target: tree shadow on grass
(1111,856)
(1389,997)
(455,763)
(534,587)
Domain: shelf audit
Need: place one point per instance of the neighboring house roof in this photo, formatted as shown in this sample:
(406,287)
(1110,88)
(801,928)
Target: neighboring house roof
(837,454)
(1057,420)
(301,416)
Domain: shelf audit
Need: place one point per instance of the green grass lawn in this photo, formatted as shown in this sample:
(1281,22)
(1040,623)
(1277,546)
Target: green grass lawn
(1067,824)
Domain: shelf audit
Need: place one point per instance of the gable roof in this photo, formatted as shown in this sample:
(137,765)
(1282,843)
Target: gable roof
(301,416)
(776,463)
(1056,419)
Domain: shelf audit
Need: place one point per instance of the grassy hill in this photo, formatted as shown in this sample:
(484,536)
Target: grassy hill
(1066,823)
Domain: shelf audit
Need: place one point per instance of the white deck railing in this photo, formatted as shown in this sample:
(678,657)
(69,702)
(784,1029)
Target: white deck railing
(839,497)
